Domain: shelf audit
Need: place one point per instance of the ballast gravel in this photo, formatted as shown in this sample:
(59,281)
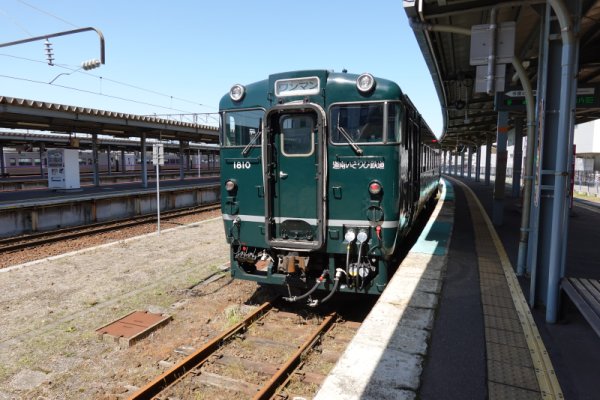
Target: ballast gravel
(51,308)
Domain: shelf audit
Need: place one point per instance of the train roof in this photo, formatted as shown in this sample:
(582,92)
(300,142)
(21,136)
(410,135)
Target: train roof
(338,87)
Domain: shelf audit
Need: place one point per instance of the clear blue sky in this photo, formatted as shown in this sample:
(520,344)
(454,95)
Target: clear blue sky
(187,54)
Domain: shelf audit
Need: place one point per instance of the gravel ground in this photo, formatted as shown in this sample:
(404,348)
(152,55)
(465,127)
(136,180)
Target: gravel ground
(51,308)
(22,256)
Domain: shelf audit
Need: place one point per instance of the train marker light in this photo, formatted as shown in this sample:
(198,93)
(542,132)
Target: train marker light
(237,92)
(375,188)
(350,236)
(230,185)
(362,236)
(365,83)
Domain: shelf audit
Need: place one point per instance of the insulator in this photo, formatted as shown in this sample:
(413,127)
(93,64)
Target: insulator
(90,64)
(49,53)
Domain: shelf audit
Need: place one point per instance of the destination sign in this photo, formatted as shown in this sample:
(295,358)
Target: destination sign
(514,100)
(297,87)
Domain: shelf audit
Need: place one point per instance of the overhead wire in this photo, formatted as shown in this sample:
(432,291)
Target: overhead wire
(110,80)
(11,19)
(185,112)
(101,78)
(48,13)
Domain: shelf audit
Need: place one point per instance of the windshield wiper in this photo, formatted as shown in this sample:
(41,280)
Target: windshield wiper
(348,138)
(251,143)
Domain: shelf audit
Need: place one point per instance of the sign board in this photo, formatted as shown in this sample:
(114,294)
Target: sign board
(481,75)
(158,154)
(514,99)
(481,42)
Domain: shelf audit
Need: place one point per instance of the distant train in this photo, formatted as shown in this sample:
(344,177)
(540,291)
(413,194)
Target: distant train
(323,175)
(25,163)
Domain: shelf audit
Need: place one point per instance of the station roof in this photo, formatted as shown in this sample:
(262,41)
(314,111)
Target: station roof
(30,114)
(468,116)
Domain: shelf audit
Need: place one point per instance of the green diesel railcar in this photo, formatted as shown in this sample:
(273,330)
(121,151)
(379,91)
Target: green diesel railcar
(322,176)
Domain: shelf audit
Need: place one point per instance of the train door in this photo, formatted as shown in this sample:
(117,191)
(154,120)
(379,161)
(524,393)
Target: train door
(293,167)
(414,164)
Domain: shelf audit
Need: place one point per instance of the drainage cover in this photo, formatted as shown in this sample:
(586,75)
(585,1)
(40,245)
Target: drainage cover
(132,327)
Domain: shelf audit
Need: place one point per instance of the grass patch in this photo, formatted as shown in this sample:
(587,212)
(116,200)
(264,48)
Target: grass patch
(233,315)
(586,196)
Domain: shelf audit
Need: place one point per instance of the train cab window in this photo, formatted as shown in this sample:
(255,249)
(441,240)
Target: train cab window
(363,123)
(297,138)
(242,127)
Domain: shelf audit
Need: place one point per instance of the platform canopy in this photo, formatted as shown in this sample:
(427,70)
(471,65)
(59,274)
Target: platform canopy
(444,31)
(37,115)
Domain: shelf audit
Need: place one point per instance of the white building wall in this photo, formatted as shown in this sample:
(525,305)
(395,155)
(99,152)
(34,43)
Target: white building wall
(587,137)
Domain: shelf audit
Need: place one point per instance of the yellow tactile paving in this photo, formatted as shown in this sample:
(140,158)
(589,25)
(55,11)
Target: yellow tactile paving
(518,364)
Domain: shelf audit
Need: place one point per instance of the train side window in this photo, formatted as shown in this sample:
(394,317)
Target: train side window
(25,162)
(12,162)
(242,127)
(362,122)
(297,137)
(394,126)
(37,161)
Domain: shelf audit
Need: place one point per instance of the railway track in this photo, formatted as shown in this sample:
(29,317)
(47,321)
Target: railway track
(266,355)
(41,238)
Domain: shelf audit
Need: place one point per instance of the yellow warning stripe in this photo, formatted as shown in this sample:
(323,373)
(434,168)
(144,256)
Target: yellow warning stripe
(547,380)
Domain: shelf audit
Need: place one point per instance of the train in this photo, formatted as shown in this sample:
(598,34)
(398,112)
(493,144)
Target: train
(323,175)
(23,163)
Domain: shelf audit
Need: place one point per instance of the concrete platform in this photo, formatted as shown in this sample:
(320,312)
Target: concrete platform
(454,323)
(385,359)
(86,179)
(40,210)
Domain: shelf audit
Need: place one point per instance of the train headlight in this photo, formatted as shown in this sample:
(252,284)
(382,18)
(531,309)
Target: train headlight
(362,236)
(375,188)
(365,83)
(350,236)
(230,186)
(237,92)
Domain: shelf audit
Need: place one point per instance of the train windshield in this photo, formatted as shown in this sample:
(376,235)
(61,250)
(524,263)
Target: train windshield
(363,123)
(242,128)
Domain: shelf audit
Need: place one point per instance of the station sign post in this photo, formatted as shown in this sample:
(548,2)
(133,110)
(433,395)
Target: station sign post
(514,99)
(158,159)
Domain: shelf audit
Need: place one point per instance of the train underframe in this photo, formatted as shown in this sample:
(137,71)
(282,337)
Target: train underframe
(361,269)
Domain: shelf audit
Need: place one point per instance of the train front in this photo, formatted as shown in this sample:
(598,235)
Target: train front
(310,174)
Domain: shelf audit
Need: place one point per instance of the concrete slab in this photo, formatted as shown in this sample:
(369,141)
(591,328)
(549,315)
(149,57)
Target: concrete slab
(366,367)
(385,358)
(132,327)
(411,317)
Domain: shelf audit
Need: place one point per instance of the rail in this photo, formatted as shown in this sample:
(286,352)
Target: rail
(196,359)
(37,239)
(189,366)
